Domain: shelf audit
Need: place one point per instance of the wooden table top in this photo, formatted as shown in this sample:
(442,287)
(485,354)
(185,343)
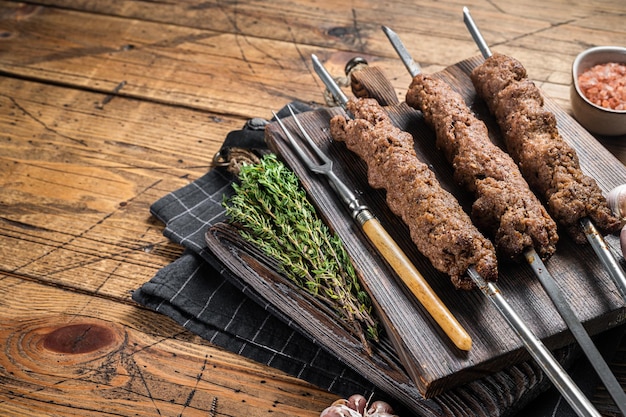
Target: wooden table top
(107,106)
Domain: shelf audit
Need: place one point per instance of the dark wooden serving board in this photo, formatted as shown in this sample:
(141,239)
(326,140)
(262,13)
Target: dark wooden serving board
(433,363)
(506,390)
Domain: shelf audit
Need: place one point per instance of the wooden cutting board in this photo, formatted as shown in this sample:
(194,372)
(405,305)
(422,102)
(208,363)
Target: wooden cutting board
(432,362)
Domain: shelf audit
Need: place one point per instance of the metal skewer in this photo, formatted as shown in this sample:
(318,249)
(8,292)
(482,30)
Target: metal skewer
(593,236)
(602,251)
(476,35)
(406,58)
(329,82)
(561,380)
(580,334)
(540,271)
(383,242)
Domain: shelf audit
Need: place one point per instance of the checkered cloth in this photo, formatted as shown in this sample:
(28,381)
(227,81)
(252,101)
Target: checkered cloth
(204,297)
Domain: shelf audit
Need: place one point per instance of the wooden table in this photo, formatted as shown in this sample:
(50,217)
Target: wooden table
(107,106)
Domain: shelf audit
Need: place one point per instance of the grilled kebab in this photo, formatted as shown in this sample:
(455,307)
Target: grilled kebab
(439,227)
(504,205)
(549,164)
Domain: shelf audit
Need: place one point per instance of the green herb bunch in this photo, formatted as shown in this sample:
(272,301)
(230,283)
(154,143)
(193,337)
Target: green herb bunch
(273,213)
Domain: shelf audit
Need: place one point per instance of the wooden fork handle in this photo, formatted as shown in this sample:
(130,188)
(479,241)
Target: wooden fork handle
(416,283)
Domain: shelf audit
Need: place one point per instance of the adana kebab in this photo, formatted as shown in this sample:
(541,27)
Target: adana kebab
(548,162)
(552,167)
(504,207)
(439,227)
(376,127)
(465,141)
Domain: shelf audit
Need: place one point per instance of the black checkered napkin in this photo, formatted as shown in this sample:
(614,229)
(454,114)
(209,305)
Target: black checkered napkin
(204,297)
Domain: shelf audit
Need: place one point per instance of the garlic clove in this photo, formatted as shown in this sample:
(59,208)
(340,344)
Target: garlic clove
(357,402)
(617,201)
(380,407)
(340,410)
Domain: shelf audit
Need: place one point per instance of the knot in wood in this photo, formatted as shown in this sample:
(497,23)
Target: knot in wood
(79,338)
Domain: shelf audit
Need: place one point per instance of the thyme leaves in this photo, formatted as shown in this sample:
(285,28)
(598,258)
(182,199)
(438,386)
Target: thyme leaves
(274,214)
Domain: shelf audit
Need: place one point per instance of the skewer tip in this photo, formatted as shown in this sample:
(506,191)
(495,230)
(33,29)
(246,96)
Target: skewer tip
(317,65)
(412,66)
(390,33)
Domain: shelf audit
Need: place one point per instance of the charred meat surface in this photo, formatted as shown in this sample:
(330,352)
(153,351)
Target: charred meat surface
(547,161)
(439,227)
(504,207)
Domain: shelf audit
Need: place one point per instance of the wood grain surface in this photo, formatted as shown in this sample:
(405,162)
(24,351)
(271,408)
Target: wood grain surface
(125,362)
(107,106)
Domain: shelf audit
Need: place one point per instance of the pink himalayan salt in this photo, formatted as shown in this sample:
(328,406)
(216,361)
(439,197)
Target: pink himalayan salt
(605,85)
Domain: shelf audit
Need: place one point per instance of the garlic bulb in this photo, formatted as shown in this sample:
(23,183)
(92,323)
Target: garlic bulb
(617,202)
(355,406)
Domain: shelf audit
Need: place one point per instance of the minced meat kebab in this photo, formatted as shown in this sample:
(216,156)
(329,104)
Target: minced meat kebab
(547,161)
(504,207)
(439,227)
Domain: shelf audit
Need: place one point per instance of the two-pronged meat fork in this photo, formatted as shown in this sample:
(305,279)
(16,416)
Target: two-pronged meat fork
(379,237)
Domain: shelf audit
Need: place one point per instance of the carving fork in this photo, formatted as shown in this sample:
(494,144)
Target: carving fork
(379,237)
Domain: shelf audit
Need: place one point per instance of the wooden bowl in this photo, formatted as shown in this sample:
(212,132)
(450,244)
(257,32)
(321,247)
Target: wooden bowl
(596,119)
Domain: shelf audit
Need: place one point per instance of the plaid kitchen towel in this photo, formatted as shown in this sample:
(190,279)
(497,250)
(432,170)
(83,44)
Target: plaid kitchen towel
(204,297)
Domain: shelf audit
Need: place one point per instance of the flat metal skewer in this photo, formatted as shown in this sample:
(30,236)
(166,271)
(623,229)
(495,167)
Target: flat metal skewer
(476,35)
(580,334)
(597,242)
(593,236)
(406,58)
(602,251)
(542,273)
(555,372)
(329,82)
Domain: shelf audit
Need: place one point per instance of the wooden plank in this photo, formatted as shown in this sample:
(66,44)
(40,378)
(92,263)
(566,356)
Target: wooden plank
(268,65)
(78,179)
(348,24)
(164,63)
(117,359)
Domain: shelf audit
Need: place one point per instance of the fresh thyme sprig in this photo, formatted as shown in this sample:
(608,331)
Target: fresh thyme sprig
(275,214)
